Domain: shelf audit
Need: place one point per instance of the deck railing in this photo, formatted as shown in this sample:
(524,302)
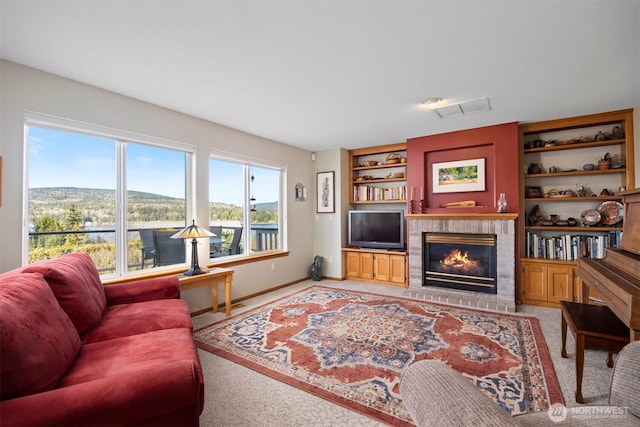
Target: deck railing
(264,237)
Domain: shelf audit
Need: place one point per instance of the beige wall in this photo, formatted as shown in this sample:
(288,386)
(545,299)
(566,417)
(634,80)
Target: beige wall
(24,89)
(329,231)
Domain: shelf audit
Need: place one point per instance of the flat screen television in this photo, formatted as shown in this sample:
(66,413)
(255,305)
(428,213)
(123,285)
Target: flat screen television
(382,229)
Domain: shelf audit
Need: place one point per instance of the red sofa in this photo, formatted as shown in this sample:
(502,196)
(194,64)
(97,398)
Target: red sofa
(75,352)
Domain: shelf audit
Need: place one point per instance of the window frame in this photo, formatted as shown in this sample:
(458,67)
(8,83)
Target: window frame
(247,162)
(121,138)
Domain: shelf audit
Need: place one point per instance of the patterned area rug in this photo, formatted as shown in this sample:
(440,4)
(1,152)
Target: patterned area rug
(351,348)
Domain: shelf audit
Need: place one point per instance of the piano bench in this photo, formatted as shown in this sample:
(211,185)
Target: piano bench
(593,326)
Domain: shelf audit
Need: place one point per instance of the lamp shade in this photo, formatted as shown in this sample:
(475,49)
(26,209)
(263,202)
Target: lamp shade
(192,232)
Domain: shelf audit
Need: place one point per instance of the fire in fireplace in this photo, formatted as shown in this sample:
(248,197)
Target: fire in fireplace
(460,261)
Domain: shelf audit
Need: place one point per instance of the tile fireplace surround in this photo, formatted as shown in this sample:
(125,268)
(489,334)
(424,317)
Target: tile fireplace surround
(502,225)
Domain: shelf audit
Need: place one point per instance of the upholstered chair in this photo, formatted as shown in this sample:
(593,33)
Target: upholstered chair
(436,395)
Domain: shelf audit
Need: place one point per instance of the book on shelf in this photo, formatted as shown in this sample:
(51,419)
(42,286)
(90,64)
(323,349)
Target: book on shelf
(373,193)
(570,247)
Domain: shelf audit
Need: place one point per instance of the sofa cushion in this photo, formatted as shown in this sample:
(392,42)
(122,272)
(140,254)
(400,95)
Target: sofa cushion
(130,319)
(38,342)
(131,354)
(75,282)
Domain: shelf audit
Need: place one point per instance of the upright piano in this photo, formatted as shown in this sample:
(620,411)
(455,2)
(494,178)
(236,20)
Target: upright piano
(616,278)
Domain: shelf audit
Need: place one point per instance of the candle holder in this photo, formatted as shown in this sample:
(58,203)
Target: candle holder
(421,206)
(411,209)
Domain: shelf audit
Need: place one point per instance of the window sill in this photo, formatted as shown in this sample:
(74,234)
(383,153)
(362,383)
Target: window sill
(231,261)
(227,262)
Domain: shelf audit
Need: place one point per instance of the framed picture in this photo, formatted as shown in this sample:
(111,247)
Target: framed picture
(459,176)
(532,192)
(326,192)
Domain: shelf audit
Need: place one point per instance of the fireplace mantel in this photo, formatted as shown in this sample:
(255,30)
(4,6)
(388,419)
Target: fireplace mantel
(463,216)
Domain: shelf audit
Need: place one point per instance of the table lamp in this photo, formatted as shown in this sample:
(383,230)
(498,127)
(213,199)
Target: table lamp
(193,232)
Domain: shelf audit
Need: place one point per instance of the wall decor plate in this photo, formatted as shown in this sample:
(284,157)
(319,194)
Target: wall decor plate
(591,217)
(611,212)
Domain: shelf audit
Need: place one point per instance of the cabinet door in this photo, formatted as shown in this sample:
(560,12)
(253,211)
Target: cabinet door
(535,282)
(560,283)
(382,271)
(353,264)
(397,267)
(366,265)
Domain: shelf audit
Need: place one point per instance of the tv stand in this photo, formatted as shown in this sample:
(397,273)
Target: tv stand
(382,266)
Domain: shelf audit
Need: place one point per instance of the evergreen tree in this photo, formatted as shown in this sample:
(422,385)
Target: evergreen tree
(47,223)
(73,222)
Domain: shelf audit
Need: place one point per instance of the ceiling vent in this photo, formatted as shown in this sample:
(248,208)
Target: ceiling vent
(463,108)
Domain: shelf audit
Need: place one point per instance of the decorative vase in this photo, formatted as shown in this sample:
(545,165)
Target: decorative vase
(534,168)
(502,203)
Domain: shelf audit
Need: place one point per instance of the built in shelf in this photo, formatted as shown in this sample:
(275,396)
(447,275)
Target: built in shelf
(574,145)
(572,199)
(569,228)
(576,173)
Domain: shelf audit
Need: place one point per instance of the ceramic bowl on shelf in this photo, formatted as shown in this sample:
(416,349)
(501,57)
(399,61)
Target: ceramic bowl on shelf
(591,217)
(589,167)
(611,212)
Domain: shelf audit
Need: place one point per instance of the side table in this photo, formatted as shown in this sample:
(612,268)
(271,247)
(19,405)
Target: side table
(593,326)
(211,278)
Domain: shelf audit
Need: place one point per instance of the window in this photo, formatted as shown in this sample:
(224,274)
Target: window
(99,192)
(240,193)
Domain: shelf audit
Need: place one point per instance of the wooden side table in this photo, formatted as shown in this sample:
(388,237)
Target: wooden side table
(211,278)
(593,326)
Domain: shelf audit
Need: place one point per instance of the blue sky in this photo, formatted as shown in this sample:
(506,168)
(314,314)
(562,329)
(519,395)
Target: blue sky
(62,159)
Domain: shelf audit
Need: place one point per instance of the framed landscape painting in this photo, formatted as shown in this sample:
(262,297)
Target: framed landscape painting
(459,176)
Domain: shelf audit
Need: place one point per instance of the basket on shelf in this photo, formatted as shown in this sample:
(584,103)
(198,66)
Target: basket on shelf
(393,158)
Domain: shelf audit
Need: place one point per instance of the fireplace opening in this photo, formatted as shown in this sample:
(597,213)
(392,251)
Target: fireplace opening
(460,261)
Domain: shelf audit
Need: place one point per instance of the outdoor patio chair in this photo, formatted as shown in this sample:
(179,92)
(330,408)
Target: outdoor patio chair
(233,248)
(215,243)
(168,251)
(148,248)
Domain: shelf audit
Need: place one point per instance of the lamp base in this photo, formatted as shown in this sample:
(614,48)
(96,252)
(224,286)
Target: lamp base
(194,271)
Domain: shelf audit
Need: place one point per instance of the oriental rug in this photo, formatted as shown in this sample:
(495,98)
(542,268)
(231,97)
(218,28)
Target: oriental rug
(351,348)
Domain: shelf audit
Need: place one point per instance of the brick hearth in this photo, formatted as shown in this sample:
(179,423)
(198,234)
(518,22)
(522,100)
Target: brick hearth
(502,225)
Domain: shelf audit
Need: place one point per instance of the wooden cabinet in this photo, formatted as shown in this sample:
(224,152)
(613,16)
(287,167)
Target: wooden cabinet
(548,284)
(379,174)
(574,196)
(378,266)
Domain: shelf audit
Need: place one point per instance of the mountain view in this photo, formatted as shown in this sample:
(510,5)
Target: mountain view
(97,206)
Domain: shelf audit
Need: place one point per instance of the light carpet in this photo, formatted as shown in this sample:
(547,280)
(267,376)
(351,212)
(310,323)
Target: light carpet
(351,347)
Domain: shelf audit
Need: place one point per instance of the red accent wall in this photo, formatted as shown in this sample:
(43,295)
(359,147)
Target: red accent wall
(498,145)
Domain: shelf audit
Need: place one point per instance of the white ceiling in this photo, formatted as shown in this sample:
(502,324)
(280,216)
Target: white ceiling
(327,74)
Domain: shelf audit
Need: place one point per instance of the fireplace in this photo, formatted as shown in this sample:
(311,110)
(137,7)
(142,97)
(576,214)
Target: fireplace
(460,261)
(502,225)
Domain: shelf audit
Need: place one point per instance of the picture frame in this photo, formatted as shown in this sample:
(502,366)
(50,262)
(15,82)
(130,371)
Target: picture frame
(325,191)
(459,176)
(533,192)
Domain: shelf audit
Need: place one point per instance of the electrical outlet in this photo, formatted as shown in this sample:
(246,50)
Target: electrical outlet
(273,266)
(330,258)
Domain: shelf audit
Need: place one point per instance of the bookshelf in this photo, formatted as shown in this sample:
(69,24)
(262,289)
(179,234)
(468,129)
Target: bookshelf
(570,202)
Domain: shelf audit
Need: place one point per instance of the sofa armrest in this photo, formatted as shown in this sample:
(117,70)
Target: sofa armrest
(117,400)
(143,290)
(437,395)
